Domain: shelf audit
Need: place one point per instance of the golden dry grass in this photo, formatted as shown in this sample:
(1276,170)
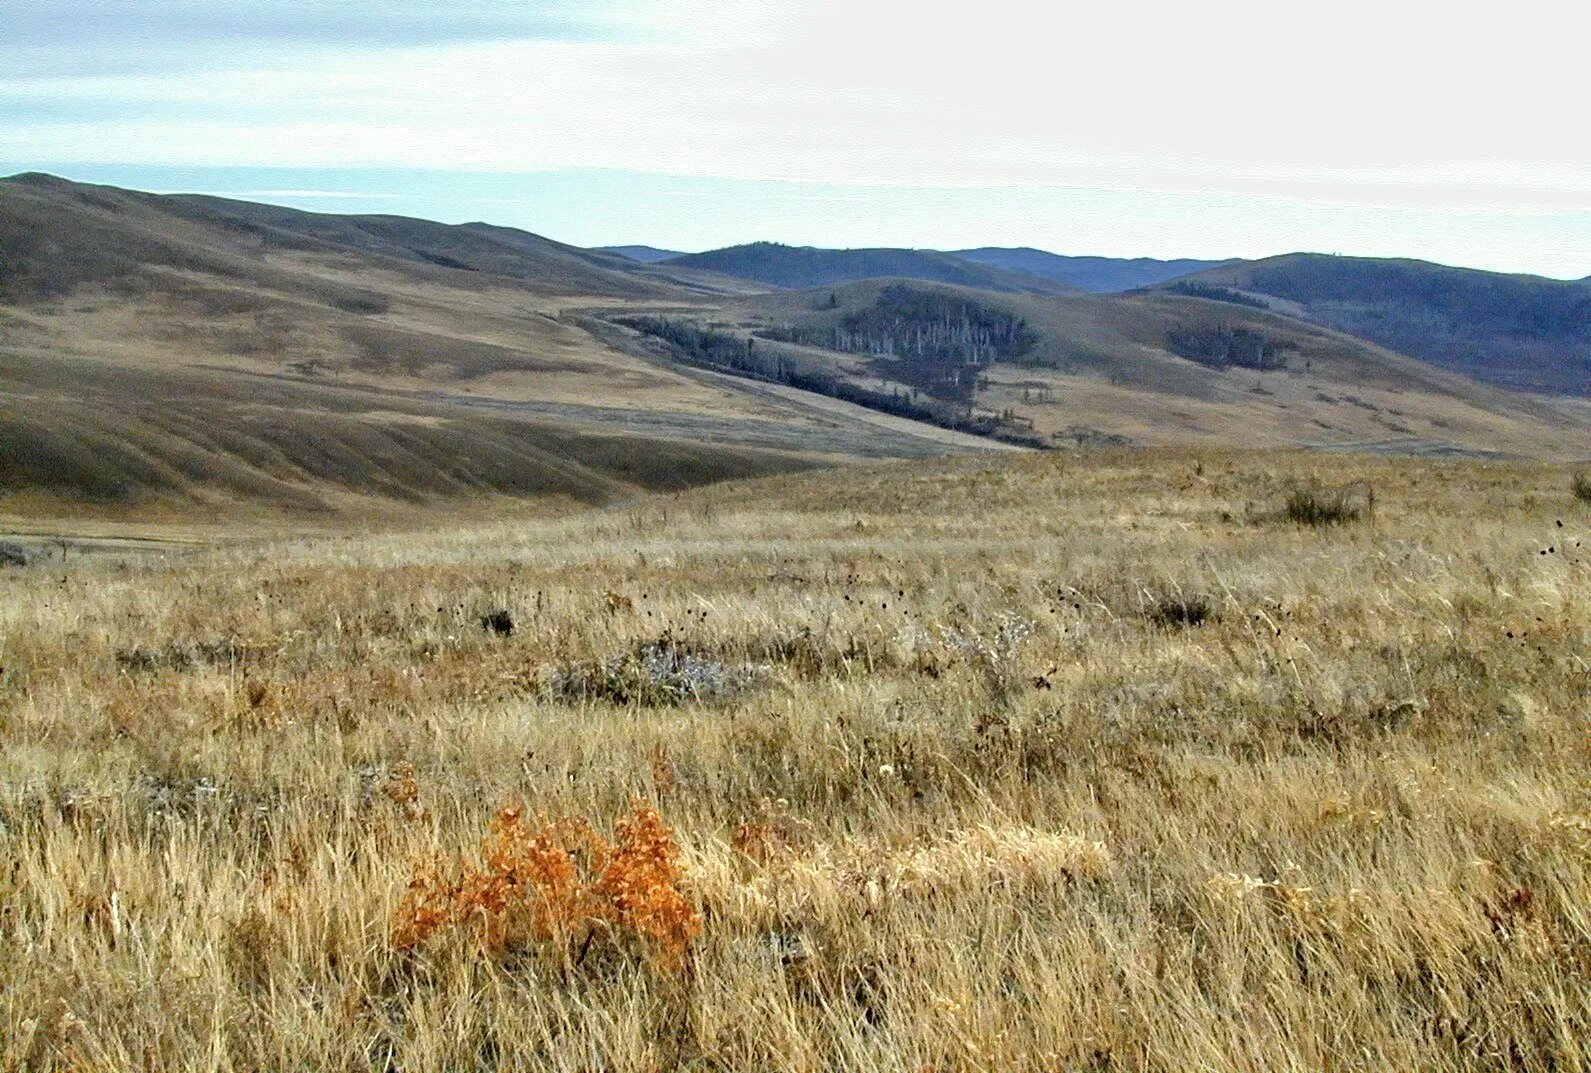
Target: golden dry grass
(953,785)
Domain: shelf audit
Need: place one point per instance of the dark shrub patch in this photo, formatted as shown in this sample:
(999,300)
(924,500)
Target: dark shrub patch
(1313,505)
(654,674)
(15,555)
(1178,610)
(499,622)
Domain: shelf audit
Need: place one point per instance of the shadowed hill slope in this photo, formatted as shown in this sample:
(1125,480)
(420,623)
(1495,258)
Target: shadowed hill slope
(645,254)
(1148,367)
(1518,331)
(1097,274)
(79,436)
(808,266)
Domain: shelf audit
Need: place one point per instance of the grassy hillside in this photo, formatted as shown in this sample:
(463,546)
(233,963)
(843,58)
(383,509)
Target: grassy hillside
(1140,368)
(81,438)
(1518,331)
(186,354)
(116,234)
(1045,763)
(1097,274)
(807,266)
(175,353)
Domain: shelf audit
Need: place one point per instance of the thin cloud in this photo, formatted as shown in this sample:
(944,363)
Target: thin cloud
(63,38)
(835,106)
(346,195)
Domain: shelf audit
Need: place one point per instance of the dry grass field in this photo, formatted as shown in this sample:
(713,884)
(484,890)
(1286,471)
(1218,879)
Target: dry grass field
(1017,762)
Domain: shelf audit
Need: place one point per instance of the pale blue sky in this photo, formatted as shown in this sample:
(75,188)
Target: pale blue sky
(1160,129)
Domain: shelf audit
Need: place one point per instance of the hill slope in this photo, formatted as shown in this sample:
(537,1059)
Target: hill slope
(808,266)
(174,353)
(163,353)
(1518,331)
(79,436)
(1146,368)
(1097,274)
(117,232)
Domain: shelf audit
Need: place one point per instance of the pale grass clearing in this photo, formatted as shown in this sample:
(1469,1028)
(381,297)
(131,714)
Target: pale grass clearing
(983,805)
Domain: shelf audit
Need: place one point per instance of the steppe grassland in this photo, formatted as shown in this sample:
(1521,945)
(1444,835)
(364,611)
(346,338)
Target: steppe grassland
(1037,762)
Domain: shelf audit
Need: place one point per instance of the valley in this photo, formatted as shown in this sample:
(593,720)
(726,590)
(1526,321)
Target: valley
(170,355)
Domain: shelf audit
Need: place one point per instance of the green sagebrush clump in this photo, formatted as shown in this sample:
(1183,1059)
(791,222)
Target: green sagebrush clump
(655,673)
(1315,505)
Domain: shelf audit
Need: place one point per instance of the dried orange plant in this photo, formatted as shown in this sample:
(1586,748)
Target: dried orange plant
(560,882)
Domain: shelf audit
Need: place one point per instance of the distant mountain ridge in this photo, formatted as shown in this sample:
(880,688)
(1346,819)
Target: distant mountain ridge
(647,255)
(789,267)
(1518,331)
(795,267)
(1097,274)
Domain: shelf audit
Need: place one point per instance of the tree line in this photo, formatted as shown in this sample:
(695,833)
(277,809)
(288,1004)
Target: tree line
(935,341)
(1220,346)
(1217,294)
(728,352)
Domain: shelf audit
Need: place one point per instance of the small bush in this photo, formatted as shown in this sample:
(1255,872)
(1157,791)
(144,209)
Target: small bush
(655,674)
(560,884)
(1313,505)
(15,554)
(1581,487)
(1168,611)
(363,304)
(499,622)
(996,653)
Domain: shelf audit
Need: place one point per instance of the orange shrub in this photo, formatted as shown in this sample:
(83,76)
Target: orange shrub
(560,882)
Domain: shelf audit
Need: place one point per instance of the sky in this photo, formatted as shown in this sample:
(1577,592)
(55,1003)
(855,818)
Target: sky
(1386,128)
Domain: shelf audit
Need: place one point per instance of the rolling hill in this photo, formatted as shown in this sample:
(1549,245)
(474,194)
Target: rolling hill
(120,233)
(163,353)
(1143,368)
(189,355)
(1098,274)
(797,267)
(82,436)
(1522,332)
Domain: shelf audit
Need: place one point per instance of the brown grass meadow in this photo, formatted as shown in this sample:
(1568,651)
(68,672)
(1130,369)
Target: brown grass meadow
(1038,762)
